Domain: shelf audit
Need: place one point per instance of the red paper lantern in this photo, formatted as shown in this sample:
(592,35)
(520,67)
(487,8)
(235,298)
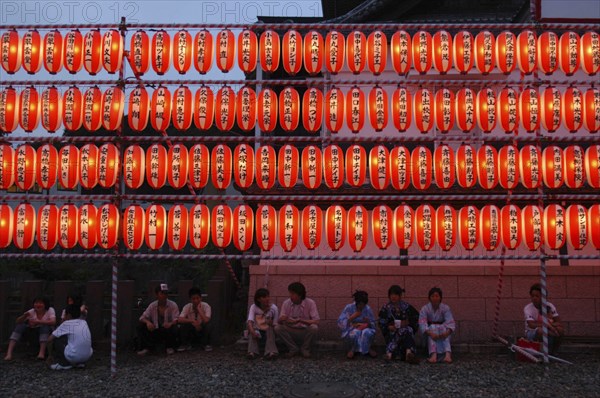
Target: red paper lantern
(92,109)
(88,166)
(356,51)
(572,109)
(221,226)
(486,110)
(465,109)
(576,222)
(289,109)
(333,166)
(378,108)
(526,51)
(358,227)
(289,161)
(247,51)
(24,226)
(246,109)
(445,166)
(53,52)
(10,51)
(156,166)
(25,167)
(138,109)
(29,105)
(443,110)
(379,173)
(87,217)
(182,51)
(225,108)
(177,227)
(335,46)
(204,108)
(506,52)
(199,226)
(548,52)
(92,52)
(72,109)
(112,51)
(485,56)
(289,227)
(291,52)
(266,227)
(221,166)
(335,227)
(508,167)
(225,50)
(531,224)
(403,226)
(466,166)
(68,173)
(9,110)
(529,163)
(510,226)
(161,52)
(47,227)
(134,164)
(199,166)
(550,109)
(68,227)
(554,226)
(507,109)
(243,158)
(591,110)
(487,166)
(134,227)
(422,51)
(113,104)
(243,227)
(399,166)
(160,105)
(182,108)
(402,108)
(421,167)
(32,52)
(425,222)
(442,53)
(312,110)
(313,52)
(377,52)
(269,51)
(592,166)
(203,50)
(312,226)
(7,166)
(568,53)
(468,227)
(401,49)
(51,105)
(573,166)
(463,51)
(108,226)
(489,227)
(593,223)
(139,53)
(312,167)
(267,110)
(355,109)
(46,170)
(356,165)
(589,52)
(266,167)
(108,165)
(334,110)
(382,222)
(177,169)
(446,224)
(156,226)
(552,166)
(424,112)
(529,109)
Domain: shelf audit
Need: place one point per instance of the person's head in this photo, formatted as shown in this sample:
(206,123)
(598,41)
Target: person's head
(435,296)
(72,311)
(261,297)
(41,304)
(395,293)
(195,296)
(161,291)
(74,299)
(297,292)
(361,299)
(535,292)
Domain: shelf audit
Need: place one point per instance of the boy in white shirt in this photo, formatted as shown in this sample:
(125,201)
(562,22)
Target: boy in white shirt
(194,322)
(534,320)
(72,341)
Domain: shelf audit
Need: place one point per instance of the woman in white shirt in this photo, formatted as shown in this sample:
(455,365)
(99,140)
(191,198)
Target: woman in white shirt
(262,318)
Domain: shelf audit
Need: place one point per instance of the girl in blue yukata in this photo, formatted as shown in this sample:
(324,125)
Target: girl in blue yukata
(398,321)
(436,323)
(357,323)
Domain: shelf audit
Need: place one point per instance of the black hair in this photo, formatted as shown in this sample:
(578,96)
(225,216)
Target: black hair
(43,300)
(435,290)
(77,299)
(194,291)
(360,296)
(395,289)
(298,288)
(260,293)
(73,310)
(535,287)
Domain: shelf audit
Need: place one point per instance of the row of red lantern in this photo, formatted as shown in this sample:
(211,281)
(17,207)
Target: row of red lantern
(423,51)
(445,110)
(90,166)
(489,226)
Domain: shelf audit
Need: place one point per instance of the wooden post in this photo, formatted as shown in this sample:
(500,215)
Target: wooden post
(125,321)
(62,289)
(29,291)
(183,287)
(94,299)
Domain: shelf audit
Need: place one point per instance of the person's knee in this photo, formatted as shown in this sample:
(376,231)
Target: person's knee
(278,328)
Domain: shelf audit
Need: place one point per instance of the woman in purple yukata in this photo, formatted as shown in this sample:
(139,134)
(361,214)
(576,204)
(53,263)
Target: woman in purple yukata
(398,321)
(357,323)
(437,324)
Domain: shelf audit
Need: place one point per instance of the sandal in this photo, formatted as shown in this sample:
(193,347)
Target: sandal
(411,358)
(270,356)
(251,355)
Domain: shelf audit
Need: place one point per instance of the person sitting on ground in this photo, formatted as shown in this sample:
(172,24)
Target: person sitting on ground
(357,323)
(158,323)
(194,322)
(534,321)
(398,321)
(262,317)
(436,323)
(77,300)
(40,319)
(298,322)
(72,341)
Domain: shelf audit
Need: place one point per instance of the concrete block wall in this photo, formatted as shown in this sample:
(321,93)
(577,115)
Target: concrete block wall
(471,292)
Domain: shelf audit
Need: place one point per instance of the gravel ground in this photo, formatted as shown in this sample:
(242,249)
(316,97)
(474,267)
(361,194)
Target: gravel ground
(225,372)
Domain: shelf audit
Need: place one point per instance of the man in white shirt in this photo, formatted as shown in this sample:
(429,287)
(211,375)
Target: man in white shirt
(534,320)
(72,341)
(194,322)
(159,323)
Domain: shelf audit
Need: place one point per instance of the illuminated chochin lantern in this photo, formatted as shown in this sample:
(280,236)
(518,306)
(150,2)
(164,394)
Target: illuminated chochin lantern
(530,164)
(266,167)
(199,167)
(7,166)
(32,52)
(47,166)
(333,166)
(225,108)
(423,108)
(335,227)
(510,224)
(267,110)
(25,167)
(312,226)
(529,109)
(289,161)
(134,227)
(572,109)
(355,109)
(445,227)
(508,167)
(291,52)
(182,108)
(573,166)
(593,223)
(576,222)
(243,227)
(53,52)
(312,110)
(552,166)
(444,110)
(10,51)
(444,165)
(377,52)
(88,166)
(403,226)
(382,219)
(379,172)
(402,109)
(505,52)
(489,227)
(161,52)
(87,217)
(51,108)
(247,51)
(138,109)
(548,52)
(356,51)
(29,105)
(312,167)
(401,52)
(160,109)
(314,47)
(177,227)
(108,165)
(422,51)
(182,51)
(465,117)
(68,172)
(9,110)
(589,52)
(204,108)
(221,226)
(421,167)
(203,51)
(73,51)
(92,52)
(113,104)
(554,226)
(335,47)
(356,165)
(334,109)
(47,227)
(531,225)
(246,109)
(72,115)
(243,158)
(486,109)
(156,226)
(568,53)
(399,166)
(24,226)
(139,53)
(425,222)
(289,227)
(507,110)
(442,55)
(68,226)
(463,52)
(592,165)
(466,166)
(378,108)
(526,51)
(591,110)
(92,109)
(108,226)
(550,109)
(177,166)
(221,166)
(487,170)
(289,109)
(269,51)
(468,227)
(112,51)
(358,227)
(266,227)
(134,165)
(225,50)
(6,225)
(485,56)
(199,226)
